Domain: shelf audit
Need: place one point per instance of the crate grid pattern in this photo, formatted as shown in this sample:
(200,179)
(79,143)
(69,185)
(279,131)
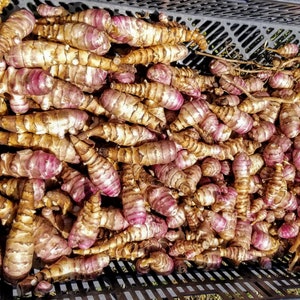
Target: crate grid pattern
(120,281)
(234,28)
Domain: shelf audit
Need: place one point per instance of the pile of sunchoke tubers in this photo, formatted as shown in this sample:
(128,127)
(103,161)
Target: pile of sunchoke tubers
(112,150)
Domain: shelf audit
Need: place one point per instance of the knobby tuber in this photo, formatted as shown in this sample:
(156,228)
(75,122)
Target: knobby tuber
(133,200)
(137,157)
(28,163)
(19,249)
(139,33)
(56,122)
(85,229)
(101,171)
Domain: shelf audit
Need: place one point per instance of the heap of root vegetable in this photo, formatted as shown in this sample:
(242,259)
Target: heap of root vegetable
(112,150)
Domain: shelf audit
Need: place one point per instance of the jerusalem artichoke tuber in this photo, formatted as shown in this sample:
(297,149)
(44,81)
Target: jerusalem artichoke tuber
(147,154)
(43,54)
(163,94)
(19,249)
(62,148)
(140,33)
(76,34)
(129,108)
(32,164)
(122,134)
(56,122)
(86,227)
(133,200)
(101,172)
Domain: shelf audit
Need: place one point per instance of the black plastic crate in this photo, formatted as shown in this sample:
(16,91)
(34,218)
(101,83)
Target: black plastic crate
(235,29)
(120,281)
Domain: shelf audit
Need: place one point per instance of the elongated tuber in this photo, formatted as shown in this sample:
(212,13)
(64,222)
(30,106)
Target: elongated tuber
(66,269)
(101,172)
(89,79)
(19,249)
(129,108)
(153,227)
(133,200)
(147,154)
(164,53)
(140,33)
(55,122)
(122,134)
(62,148)
(43,54)
(71,33)
(163,94)
(32,164)
(86,227)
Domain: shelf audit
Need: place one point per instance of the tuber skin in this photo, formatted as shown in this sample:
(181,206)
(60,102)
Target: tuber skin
(234,118)
(243,233)
(8,210)
(66,95)
(18,25)
(43,54)
(49,245)
(177,220)
(161,200)
(129,251)
(78,35)
(173,177)
(140,33)
(13,187)
(147,154)
(112,218)
(241,171)
(192,217)
(88,79)
(289,120)
(163,53)
(19,249)
(206,194)
(26,81)
(66,269)
(96,17)
(153,227)
(31,164)
(191,113)
(46,10)
(185,79)
(122,134)
(56,199)
(275,184)
(252,107)
(186,248)
(136,112)
(101,171)
(76,184)
(56,122)
(133,200)
(85,229)
(163,94)
(62,148)
(158,261)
